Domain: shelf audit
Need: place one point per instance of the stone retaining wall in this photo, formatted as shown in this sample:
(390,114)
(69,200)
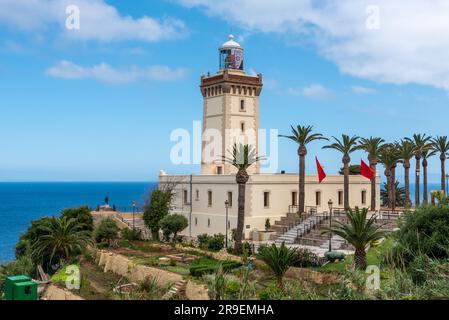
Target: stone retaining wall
(52,292)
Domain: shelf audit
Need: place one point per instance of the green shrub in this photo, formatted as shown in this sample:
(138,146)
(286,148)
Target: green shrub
(332,256)
(210,267)
(214,243)
(131,234)
(203,240)
(306,258)
(22,266)
(233,289)
(106,232)
(173,224)
(424,231)
(271,292)
(82,215)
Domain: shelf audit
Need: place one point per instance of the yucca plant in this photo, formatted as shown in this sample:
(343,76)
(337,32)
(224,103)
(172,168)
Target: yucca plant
(278,259)
(359,231)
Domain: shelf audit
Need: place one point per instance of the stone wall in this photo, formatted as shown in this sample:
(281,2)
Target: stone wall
(52,292)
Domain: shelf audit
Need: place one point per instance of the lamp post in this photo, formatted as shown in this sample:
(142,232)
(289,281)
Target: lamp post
(226,233)
(134,212)
(330,203)
(447,185)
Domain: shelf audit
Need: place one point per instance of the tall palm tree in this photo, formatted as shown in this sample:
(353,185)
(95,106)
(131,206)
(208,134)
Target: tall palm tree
(372,146)
(303,135)
(389,157)
(346,146)
(421,142)
(427,153)
(62,238)
(359,231)
(406,151)
(242,157)
(440,145)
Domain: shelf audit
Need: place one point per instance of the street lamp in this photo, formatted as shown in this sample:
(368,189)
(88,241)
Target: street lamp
(134,212)
(447,185)
(226,234)
(330,203)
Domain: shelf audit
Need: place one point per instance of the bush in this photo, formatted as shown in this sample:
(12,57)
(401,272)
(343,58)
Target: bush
(271,292)
(210,267)
(106,232)
(214,243)
(22,266)
(155,210)
(233,289)
(332,256)
(82,215)
(306,259)
(132,234)
(267,225)
(173,224)
(424,231)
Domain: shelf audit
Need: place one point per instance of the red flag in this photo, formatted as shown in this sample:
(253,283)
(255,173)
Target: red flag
(321,173)
(366,171)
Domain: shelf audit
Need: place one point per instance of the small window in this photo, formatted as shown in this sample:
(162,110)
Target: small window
(196,221)
(363,197)
(242,105)
(340,198)
(294,198)
(230,198)
(209,198)
(242,126)
(208,223)
(266,199)
(220,170)
(197,194)
(185,197)
(318,198)
(229,224)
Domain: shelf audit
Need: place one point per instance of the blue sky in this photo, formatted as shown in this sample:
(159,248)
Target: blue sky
(100,103)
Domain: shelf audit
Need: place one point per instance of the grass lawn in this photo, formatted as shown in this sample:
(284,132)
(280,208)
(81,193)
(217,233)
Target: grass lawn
(373,257)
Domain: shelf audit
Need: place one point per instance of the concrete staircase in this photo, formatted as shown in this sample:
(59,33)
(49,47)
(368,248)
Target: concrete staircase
(304,227)
(139,224)
(178,288)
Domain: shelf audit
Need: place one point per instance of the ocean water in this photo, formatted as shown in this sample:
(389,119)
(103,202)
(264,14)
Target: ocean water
(22,202)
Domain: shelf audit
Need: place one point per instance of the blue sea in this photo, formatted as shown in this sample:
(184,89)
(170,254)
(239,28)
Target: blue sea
(22,202)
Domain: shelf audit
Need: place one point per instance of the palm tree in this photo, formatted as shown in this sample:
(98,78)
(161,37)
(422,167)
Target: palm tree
(359,231)
(372,146)
(399,195)
(406,151)
(302,135)
(440,145)
(427,153)
(242,157)
(62,238)
(421,142)
(346,146)
(278,259)
(389,157)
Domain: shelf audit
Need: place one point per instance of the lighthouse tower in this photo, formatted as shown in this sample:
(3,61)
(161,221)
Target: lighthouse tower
(230,109)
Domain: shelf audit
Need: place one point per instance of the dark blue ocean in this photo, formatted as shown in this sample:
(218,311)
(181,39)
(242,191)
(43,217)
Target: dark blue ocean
(22,202)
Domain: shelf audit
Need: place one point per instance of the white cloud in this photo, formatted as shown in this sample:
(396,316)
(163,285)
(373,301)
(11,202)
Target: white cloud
(98,21)
(410,45)
(105,73)
(311,91)
(362,90)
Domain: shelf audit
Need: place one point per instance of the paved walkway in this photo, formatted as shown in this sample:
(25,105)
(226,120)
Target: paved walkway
(319,251)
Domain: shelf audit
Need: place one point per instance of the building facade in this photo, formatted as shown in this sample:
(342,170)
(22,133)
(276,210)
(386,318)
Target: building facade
(230,115)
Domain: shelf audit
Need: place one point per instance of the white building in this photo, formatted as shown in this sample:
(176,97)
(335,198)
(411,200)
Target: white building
(230,114)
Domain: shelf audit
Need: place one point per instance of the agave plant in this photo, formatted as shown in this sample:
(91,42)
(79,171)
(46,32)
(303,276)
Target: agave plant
(359,231)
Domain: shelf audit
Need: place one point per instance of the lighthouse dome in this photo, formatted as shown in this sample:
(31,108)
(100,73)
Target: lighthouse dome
(231,43)
(231,55)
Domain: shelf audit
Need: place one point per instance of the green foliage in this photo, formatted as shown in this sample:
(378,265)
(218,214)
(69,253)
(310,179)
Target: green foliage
(267,224)
(204,266)
(172,224)
(61,238)
(271,292)
(400,194)
(354,169)
(425,231)
(34,232)
(217,285)
(233,289)
(82,216)
(131,234)
(306,258)
(279,259)
(22,266)
(106,232)
(332,256)
(214,243)
(157,208)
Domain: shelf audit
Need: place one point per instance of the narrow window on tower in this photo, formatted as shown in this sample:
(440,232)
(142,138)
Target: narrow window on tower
(294,198)
(242,105)
(363,197)
(230,198)
(185,197)
(209,198)
(266,199)
(340,198)
(318,198)
(219,170)
(197,195)
(242,126)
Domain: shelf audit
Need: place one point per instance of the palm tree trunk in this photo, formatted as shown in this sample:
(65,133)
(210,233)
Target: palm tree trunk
(443,172)
(240,218)
(407,184)
(393,188)
(417,182)
(373,187)
(346,184)
(360,259)
(302,187)
(424,169)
